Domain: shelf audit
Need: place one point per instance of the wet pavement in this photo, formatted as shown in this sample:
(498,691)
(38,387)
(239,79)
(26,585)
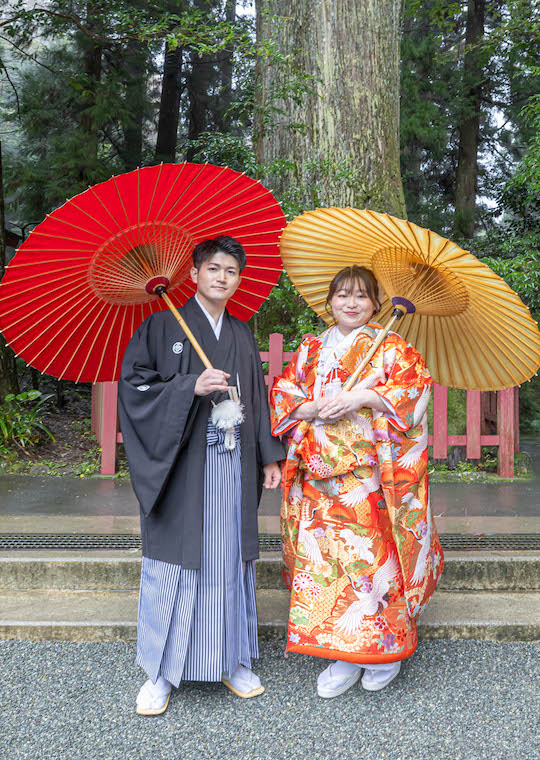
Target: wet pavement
(97,504)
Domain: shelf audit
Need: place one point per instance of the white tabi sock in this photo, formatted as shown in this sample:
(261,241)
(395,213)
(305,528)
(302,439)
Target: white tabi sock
(153,695)
(243,679)
(344,668)
(160,687)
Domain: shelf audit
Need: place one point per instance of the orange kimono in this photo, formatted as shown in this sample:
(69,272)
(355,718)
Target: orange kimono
(361,552)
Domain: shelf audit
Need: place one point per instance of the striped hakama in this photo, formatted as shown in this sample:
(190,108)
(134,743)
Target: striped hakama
(196,625)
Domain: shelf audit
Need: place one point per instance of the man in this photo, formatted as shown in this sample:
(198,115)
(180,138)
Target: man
(198,498)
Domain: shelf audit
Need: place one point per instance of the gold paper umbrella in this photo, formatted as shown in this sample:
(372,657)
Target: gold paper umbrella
(473,331)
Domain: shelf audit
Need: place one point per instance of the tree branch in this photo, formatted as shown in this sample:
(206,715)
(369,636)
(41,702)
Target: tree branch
(3,67)
(27,55)
(74,19)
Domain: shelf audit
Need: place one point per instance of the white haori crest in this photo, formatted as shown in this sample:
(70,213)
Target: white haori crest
(143,387)
(178,347)
(225,416)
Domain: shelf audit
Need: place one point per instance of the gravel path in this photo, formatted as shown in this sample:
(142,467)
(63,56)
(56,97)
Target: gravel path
(464,700)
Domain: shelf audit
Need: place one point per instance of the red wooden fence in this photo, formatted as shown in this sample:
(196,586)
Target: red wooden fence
(480,413)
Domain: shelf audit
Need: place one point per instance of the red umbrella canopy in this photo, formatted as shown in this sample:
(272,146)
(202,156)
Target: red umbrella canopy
(75,291)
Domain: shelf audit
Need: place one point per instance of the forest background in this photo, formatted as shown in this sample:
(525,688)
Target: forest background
(96,88)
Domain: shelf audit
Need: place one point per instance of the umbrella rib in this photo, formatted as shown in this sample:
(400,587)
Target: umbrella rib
(202,189)
(118,343)
(127,232)
(52,271)
(480,349)
(106,341)
(90,350)
(103,305)
(244,306)
(193,221)
(236,219)
(48,328)
(95,307)
(26,315)
(187,187)
(59,219)
(171,188)
(509,352)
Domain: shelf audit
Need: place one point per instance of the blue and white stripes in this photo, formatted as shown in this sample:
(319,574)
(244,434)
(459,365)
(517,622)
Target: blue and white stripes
(196,625)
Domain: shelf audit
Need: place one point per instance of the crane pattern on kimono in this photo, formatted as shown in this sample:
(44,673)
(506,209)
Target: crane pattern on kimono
(369,603)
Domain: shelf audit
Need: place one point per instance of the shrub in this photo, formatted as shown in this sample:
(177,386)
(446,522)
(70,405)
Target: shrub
(21,421)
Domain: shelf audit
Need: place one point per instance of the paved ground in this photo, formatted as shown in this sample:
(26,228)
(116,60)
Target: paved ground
(452,701)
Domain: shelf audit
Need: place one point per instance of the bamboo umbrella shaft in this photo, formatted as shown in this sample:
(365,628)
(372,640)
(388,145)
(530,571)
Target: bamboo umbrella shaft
(380,337)
(192,339)
(233,392)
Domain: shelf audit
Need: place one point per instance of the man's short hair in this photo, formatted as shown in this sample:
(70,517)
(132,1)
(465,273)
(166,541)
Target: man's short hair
(222,244)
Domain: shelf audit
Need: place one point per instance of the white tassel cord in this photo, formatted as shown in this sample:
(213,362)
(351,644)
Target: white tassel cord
(225,416)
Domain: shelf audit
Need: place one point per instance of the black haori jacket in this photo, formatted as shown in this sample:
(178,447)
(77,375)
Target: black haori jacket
(164,428)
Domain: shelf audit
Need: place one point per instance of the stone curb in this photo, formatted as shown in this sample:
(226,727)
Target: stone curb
(464,571)
(110,616)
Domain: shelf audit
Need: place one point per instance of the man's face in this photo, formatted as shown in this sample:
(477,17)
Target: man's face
(217,279)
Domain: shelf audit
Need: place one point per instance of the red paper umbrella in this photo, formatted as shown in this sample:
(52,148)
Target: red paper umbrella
(84,279)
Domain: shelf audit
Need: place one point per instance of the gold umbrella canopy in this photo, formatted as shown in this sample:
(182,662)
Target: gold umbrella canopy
(473,331)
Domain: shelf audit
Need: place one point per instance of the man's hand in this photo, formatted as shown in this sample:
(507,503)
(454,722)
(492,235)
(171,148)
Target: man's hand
(272,475)
(211,380)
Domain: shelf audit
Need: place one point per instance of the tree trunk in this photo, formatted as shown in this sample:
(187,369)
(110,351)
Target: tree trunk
(226,68)
(9,381)
(135,65)
(91,54)
(339,144)
(200,79)
(469,130)
(169,105)
(199,82)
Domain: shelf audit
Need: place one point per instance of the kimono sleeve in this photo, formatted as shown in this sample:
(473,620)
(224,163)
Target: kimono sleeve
(290,391)
(408,385)
(155,411)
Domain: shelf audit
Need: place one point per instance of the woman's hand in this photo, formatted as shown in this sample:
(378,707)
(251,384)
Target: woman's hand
(306,411)
(335,408)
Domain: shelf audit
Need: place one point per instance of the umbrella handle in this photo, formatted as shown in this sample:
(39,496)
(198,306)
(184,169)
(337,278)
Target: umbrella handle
(192,339)
(398,313)
(233,391)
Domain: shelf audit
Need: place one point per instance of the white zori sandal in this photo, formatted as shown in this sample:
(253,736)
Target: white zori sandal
(338,678)
(243,682)
(377,678)
(153,698)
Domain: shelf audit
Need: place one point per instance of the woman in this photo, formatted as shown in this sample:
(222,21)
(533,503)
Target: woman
(362,556)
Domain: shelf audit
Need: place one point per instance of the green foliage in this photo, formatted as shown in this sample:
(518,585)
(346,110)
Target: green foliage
(527,175)
(21,421)
(522,270)
(529,406)
(285,311)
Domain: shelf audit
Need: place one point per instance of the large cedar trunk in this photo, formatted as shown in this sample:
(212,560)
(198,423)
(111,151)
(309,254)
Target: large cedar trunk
(199,82)
(469,130)
(135,65)
(226,68)
(92,53)
(345,147)
(169,105)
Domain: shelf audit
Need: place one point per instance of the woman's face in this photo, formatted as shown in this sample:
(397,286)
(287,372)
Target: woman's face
(351,306)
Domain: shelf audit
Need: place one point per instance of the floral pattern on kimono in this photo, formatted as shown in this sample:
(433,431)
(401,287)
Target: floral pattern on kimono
(361,552)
